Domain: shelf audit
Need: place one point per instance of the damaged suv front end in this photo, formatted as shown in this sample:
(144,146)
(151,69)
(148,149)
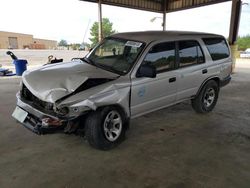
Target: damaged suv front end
(35,114)
(57,95)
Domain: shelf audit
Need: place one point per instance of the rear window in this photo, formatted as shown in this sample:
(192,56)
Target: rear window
(217,48)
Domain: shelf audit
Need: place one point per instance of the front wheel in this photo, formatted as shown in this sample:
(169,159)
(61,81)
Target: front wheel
(105,128)
(206,100)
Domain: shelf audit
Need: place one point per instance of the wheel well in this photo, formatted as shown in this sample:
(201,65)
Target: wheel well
(216,79)
(84,116)
(112,105)
(119,107)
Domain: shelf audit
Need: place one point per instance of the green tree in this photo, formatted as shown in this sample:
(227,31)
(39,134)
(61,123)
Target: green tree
(243,42)
(107,29)
(63,43)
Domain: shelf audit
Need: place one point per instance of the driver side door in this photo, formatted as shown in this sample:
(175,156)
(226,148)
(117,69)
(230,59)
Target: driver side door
(150,94)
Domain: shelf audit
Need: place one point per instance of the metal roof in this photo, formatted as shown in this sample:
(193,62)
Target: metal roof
(158,5)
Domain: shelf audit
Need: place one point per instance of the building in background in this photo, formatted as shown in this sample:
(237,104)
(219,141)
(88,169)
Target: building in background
(9,40)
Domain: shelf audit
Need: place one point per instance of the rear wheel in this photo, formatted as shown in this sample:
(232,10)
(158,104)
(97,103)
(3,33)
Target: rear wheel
(105,128)
(206,100)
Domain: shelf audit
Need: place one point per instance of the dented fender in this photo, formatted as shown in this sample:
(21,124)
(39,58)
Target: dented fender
(103,95)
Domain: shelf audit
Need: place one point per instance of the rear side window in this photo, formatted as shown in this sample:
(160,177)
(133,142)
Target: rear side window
(190,53)
(161,56)
(217,48)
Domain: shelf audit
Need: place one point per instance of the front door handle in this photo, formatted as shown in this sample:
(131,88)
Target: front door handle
(172,79)
(204,71)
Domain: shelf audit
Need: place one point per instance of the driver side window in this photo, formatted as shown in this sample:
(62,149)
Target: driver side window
(161,56)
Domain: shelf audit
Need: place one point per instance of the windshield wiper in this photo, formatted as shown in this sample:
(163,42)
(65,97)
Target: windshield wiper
(111,69)
(88,61)
(105,67)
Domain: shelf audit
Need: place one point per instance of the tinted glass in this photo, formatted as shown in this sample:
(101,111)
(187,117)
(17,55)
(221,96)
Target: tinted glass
(161,56)
(190,53)
(217,48)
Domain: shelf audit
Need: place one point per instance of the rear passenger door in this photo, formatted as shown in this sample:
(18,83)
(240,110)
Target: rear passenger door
(192,70)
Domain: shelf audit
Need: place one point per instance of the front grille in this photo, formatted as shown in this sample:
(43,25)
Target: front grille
(36,102)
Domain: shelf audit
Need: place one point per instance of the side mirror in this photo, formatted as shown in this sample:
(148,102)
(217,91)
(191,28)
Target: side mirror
(146,71)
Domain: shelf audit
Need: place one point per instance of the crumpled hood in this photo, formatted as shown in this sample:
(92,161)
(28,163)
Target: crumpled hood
(52,82)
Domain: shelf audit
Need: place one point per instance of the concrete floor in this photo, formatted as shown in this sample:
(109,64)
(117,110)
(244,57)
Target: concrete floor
(173,148)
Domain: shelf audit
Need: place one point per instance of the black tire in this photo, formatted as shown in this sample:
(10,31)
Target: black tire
(201,103)
(94,127)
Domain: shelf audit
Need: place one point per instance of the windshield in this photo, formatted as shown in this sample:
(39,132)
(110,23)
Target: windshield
(116,55)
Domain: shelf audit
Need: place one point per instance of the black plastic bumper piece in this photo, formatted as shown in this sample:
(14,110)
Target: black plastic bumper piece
(225,81)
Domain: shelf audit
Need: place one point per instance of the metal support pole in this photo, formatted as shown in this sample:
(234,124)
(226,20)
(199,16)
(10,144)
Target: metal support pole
(164,22)
(235,21)
(234,27)
(100,20)
(164,16)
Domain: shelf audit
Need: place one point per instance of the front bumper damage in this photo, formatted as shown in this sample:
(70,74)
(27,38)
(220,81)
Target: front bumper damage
(40,122)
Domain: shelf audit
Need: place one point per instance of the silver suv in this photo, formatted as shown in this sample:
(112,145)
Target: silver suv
(126,76)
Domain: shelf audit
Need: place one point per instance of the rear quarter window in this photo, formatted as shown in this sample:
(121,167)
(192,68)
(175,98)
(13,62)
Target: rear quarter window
(217,48)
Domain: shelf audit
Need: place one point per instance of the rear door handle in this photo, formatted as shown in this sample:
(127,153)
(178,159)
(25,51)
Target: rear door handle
(204,71)
(172,79)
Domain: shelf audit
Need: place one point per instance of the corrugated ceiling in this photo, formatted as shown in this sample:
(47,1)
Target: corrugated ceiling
(158,5)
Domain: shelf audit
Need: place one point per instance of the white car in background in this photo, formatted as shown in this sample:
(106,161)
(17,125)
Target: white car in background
(245,54)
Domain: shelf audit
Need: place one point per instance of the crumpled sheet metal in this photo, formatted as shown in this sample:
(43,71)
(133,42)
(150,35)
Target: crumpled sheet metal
(114,94)
(52,82)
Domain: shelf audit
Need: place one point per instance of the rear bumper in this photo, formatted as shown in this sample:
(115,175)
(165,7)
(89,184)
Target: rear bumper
(34,118)
(225,81)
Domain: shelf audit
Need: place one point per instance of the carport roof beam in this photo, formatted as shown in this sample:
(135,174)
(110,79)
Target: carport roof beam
(158,5)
